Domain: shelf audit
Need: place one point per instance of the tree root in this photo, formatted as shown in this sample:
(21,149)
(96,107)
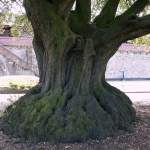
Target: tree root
(57,117)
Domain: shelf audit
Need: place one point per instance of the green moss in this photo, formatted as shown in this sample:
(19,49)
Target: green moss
(79,124)
(54,119)
(45,119)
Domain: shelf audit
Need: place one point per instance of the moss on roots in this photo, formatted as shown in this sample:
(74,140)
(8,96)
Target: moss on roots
(58,118)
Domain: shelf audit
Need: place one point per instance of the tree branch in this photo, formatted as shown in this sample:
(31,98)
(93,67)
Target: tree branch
(139,28)
(83,10)
(63,7)
(129,26)
(132,29)
(132,12)
(81,16)
(136,8)
(107,14)
(117,34)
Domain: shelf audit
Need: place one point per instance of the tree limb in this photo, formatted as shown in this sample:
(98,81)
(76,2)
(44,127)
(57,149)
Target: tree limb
(63,7)
(107,14)
(83,10)
(81,16)
(132,29)
(129,26)
(135,9)
(140,28)
(118,34)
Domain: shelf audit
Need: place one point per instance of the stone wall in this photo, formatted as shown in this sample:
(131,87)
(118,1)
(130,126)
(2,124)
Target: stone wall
(129,65)
(22,54)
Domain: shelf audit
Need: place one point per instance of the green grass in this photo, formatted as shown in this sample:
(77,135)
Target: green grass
(21,86)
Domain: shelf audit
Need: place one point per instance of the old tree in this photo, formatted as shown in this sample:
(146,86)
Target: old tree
(72,101)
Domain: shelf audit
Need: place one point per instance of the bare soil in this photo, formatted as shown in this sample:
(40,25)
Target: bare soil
(137,139)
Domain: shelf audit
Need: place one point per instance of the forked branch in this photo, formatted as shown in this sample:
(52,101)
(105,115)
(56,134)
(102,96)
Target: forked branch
(128,26)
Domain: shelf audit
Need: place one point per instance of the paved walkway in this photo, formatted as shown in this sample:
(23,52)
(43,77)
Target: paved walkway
(23,79)
(138,91)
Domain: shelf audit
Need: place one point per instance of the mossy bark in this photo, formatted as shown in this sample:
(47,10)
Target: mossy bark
(72,102)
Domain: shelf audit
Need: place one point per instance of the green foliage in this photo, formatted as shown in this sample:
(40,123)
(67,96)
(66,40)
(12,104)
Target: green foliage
(97,5)
(21,86)
(21,26)
(13,86)
(2,18)
(144,40)
(20,23)
(6,17)
(125,4)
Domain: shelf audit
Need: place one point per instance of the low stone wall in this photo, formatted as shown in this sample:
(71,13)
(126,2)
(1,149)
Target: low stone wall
(128,66)
(17,61)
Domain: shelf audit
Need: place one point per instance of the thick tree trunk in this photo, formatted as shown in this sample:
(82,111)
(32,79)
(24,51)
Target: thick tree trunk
(72,102)
(75,102)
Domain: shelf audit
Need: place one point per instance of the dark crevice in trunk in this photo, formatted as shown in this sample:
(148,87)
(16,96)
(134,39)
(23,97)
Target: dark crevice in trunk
(102,105)
(64,108)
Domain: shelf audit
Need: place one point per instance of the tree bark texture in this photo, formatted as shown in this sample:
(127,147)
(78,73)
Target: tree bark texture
(72,101)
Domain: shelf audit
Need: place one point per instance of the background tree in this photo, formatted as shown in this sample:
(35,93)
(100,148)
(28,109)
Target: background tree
(21,26)
(72,101)
(2,18)
(15,18)
(19,23)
